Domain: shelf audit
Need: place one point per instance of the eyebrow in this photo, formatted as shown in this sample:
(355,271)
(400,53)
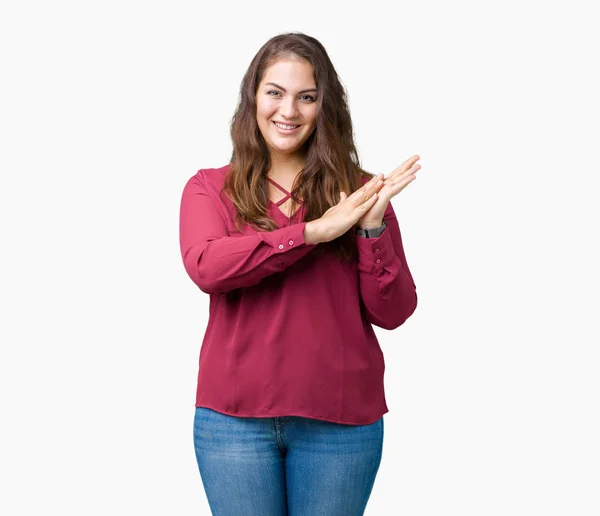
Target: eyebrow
(283,89)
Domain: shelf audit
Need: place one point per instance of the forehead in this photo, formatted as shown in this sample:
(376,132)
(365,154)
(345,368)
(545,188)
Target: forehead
(290,73)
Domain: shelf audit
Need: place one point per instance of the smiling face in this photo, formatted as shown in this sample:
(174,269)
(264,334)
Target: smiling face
(287,95)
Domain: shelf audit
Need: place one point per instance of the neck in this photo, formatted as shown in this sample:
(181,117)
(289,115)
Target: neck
(285,166)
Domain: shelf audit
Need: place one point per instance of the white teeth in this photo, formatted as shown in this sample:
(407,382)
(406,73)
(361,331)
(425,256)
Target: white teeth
(286,126)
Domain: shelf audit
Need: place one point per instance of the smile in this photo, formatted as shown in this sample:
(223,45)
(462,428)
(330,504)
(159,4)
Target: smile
(286,129)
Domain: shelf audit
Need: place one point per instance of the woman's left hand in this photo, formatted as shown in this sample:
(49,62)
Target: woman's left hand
(393,184)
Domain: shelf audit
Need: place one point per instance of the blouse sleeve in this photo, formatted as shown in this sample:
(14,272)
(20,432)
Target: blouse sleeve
(217,262)
(386,285)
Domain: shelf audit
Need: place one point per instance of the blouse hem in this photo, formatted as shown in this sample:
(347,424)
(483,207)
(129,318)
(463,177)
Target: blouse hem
(290,413)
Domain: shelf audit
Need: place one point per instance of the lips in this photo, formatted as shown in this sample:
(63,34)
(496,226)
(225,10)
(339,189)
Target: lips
(283,131)
(287,126)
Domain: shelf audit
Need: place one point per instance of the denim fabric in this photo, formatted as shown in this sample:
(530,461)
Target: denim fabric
(285,466)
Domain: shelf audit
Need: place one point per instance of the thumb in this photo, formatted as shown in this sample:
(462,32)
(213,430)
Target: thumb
(343,196)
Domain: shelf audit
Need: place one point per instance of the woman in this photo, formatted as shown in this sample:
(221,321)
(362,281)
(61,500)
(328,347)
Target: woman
(301,253)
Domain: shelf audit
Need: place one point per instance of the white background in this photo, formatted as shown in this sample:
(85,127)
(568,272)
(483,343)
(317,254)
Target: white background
(107,108)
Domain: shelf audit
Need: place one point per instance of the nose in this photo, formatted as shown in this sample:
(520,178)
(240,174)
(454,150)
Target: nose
(288,108)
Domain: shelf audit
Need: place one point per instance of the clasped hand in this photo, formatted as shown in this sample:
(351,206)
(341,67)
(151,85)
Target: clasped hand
(366,206)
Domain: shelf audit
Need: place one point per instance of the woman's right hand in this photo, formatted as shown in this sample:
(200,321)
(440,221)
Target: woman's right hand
(340,218)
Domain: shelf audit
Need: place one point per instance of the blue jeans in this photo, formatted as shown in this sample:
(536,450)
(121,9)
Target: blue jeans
(285,466)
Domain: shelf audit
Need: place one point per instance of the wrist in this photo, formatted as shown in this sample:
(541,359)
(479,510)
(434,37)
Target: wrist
(370,225)
(313,233)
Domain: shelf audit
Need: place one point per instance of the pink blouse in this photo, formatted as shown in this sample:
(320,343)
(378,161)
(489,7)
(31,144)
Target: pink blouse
(290,331)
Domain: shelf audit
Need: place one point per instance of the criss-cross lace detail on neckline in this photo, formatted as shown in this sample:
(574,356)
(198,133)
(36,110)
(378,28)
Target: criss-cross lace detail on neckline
(287,197)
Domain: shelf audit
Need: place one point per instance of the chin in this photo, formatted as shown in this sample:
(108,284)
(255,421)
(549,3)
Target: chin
(286,150)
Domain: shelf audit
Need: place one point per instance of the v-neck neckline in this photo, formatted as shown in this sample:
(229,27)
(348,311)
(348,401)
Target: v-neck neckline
(288,196)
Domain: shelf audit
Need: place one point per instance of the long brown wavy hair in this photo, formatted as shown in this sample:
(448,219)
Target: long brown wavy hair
(331,160)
